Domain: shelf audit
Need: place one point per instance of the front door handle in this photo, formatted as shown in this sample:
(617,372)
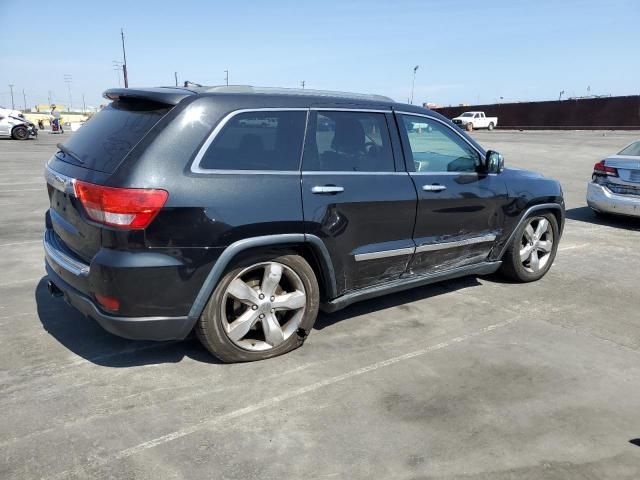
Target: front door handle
(326,189)
(433,188)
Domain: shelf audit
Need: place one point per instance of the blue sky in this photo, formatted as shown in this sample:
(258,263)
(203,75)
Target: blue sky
(468,51)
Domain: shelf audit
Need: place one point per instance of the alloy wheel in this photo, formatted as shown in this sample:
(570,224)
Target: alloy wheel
(263,306)
(536,244)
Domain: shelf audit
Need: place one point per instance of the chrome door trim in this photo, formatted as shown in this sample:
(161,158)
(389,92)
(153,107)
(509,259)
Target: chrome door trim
(433,188)
(337,172)
(337,109)
(359,257)
(430,247)
(195,165)
(324,189)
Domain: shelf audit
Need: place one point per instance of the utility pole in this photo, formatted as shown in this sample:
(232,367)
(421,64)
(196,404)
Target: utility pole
(124,63)
(302,83)
(84,106)
(117,67)
(24,98)
(49,97)
(226,77)
(175,74)
(13,106)
(560,97)
(415,69)
(67,79)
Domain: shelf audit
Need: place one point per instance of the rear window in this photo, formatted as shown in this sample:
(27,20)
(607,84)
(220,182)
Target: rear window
(267,140)
(632,150)
(106,139)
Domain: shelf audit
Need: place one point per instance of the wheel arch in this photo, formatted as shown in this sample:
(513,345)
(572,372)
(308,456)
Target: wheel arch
(310,247)
(555,208)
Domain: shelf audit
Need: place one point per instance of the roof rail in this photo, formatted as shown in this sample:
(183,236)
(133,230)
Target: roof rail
(292,91)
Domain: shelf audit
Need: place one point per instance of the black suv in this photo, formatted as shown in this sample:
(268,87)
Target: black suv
(239,211)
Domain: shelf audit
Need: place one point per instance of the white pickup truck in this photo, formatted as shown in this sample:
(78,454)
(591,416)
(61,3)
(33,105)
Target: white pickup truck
(471,120)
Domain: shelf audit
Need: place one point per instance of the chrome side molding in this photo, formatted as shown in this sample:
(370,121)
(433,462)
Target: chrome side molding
(459,243)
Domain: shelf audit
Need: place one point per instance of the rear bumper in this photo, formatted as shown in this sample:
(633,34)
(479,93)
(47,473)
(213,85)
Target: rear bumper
(135,328)
(601,199)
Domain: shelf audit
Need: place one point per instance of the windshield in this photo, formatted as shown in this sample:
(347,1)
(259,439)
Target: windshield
(632,150)
(106,139)
(467,114)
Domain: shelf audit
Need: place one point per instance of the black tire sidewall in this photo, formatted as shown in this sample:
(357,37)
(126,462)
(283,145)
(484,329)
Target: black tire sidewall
(210,328)
(514,251)
(17,136)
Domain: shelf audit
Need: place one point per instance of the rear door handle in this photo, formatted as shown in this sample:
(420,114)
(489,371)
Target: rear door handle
(326,189)
(433,188)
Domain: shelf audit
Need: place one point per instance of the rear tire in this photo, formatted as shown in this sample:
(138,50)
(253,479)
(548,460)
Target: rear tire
(20,133)
(490,127)
(262,307)
(532,249)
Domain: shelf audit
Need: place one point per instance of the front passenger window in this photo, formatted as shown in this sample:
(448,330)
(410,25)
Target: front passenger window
(434,147)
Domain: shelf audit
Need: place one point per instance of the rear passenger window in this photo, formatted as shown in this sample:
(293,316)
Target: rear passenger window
(348,142)
(258,141)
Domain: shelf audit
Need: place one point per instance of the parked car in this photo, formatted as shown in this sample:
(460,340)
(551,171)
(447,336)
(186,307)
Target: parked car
(174,209)
(615,183)
(14,125)
(474,120)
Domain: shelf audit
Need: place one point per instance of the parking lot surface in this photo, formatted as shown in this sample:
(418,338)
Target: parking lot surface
(475,378)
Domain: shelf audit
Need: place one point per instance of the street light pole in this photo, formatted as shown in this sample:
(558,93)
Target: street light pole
(175,74)
(226,77)
(13,106)
(84,105)
(413,84)
(302,83)
(124,64)
(24,98)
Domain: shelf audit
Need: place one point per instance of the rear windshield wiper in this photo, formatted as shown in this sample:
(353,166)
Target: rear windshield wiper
(66,151)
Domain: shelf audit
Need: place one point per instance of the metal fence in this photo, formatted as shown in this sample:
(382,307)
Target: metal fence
(611,113)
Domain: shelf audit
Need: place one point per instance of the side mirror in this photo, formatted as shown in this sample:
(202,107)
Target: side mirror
(494,162)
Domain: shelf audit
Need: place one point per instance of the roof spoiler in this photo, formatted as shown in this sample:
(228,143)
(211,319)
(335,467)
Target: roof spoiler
(166,95)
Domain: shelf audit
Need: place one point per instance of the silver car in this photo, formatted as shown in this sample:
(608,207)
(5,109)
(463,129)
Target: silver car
(615,183)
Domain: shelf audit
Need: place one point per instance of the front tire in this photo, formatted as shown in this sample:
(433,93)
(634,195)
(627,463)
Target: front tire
(533,248)
(469,127)
(20,133)
(262,307)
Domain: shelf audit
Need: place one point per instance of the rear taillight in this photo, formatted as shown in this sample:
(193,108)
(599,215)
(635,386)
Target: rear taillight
(601,169)
(120,207)
(108,303)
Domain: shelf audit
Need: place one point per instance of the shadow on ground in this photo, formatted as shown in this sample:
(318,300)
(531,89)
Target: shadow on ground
(84,337)
(585,214)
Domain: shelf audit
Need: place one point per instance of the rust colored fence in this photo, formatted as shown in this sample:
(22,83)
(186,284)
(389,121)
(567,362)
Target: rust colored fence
(609,113)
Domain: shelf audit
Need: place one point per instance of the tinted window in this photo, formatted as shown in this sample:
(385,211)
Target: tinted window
(104,141)
(258,141)
(348,142)
(435,147)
